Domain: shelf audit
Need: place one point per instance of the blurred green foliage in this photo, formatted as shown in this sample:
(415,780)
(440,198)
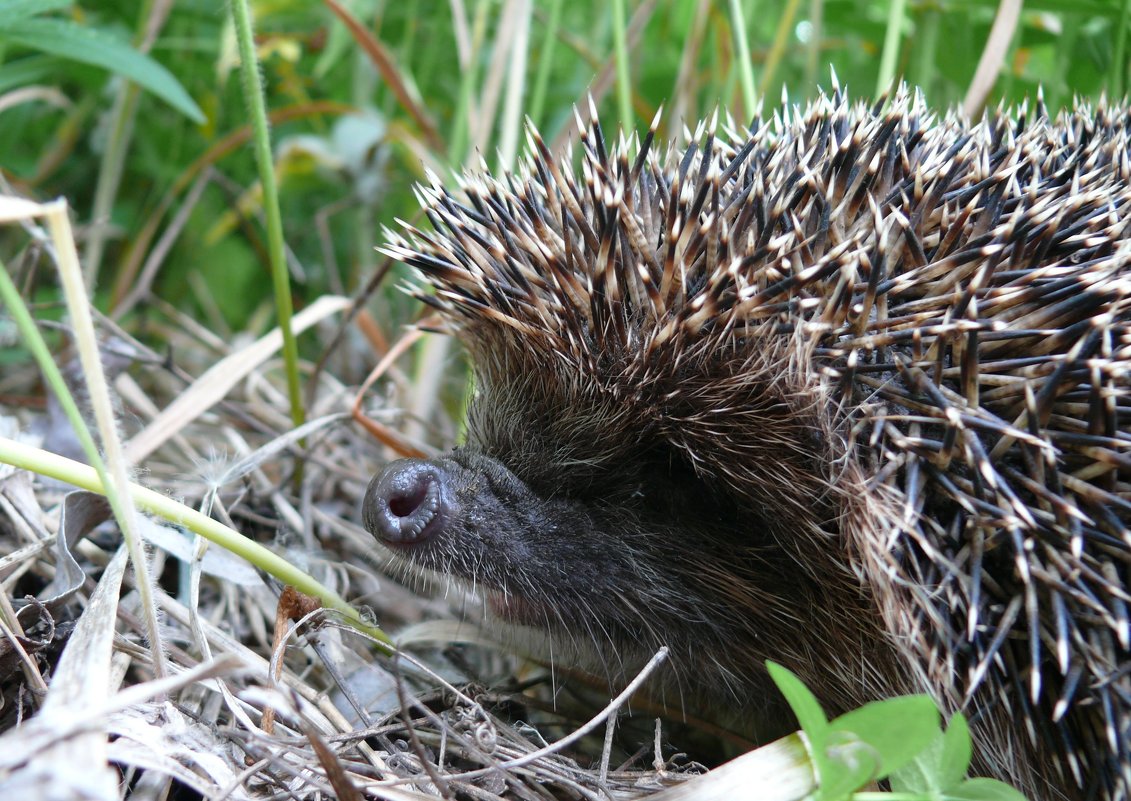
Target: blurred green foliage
(63,121)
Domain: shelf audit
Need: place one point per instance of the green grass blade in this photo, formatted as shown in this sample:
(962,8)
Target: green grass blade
(813,46)
(1118,71)
(511,123)
(545,63)
(253,95)
(99,49)
(34,342)
(780,43)
(13,10)
(742,52)
(624,82)
(892,38)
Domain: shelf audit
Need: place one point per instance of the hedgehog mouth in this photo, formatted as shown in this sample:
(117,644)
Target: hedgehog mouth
(504,605)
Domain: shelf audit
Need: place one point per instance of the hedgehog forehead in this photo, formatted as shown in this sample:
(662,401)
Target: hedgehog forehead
(554,431)
(559,370)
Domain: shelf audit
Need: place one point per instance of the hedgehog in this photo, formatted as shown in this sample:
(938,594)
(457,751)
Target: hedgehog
(846,388)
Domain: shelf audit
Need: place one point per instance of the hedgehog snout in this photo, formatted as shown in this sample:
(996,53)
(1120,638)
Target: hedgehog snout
(407,502)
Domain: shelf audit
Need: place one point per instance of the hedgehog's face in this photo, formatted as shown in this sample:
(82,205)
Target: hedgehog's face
(622,558)
(467,515)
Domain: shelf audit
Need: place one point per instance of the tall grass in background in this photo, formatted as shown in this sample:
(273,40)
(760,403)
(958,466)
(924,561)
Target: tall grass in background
(364,96)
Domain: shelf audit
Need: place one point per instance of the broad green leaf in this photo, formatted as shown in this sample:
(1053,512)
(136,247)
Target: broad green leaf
(923,774)
(803,703)
(956,752)
(939,766)
(91,46)
(15,10)
(898,728)
(847,763)
(984,790)
(28,70)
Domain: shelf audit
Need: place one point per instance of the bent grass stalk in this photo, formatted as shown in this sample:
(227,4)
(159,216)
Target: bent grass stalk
(45,463)
(111,471)
(99,478)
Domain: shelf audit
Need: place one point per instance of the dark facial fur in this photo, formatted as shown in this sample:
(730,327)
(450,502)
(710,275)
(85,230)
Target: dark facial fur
(849,390)
(618,556)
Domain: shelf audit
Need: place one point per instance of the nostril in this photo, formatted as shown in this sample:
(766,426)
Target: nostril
(405,505)
(406,502)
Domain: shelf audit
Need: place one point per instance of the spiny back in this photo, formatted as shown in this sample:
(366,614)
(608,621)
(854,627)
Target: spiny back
(901,341)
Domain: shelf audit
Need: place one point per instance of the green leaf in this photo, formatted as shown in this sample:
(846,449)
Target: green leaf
(940,766)
(956,751)
(837,773)
(803,703)
(14,10)
(28,70)
(847,763)
(983,790)
(923,774)
(898,728)
(97,48)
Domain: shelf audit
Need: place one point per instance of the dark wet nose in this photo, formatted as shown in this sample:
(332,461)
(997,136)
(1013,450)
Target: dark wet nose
(406,502)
